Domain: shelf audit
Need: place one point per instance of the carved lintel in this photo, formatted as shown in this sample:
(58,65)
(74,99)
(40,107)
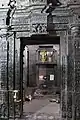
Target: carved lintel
(39,28)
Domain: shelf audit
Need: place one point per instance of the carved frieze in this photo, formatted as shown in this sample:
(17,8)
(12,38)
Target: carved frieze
(38,18)
(60,26)
(21,20)
(39,28)
(37,1)
(73,2)
(38,23)
(60,19)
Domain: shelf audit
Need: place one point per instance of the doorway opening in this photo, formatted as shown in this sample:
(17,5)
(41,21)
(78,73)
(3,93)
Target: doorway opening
(40,75)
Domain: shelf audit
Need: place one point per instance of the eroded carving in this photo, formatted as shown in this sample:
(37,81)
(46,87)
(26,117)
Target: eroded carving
(37,1)
(39,28)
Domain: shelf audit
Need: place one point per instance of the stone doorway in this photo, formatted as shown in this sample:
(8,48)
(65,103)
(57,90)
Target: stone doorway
(37,44)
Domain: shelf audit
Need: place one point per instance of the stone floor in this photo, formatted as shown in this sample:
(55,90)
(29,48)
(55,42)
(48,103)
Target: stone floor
(41,109)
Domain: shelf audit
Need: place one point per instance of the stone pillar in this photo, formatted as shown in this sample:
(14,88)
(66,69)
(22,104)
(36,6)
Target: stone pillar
(3,44)
(73,104)
(76,71)
(63,63)
(70,80)
(3,59)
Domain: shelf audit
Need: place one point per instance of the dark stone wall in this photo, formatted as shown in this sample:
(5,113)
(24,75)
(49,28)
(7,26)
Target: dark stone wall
(34,69)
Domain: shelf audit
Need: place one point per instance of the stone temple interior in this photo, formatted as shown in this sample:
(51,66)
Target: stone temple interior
(40,59)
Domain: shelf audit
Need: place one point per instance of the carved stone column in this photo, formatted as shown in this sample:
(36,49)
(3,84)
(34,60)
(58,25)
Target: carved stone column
(60,26)
(76,71)
(74,62)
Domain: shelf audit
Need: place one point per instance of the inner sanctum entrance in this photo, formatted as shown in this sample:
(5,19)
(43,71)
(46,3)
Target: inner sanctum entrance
(40,60)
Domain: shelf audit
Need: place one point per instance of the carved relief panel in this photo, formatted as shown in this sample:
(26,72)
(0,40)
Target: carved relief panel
(38,23)
(37,1)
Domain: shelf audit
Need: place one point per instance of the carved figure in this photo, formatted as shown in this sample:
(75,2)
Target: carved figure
(51,5)
(39,28)
(10,11)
